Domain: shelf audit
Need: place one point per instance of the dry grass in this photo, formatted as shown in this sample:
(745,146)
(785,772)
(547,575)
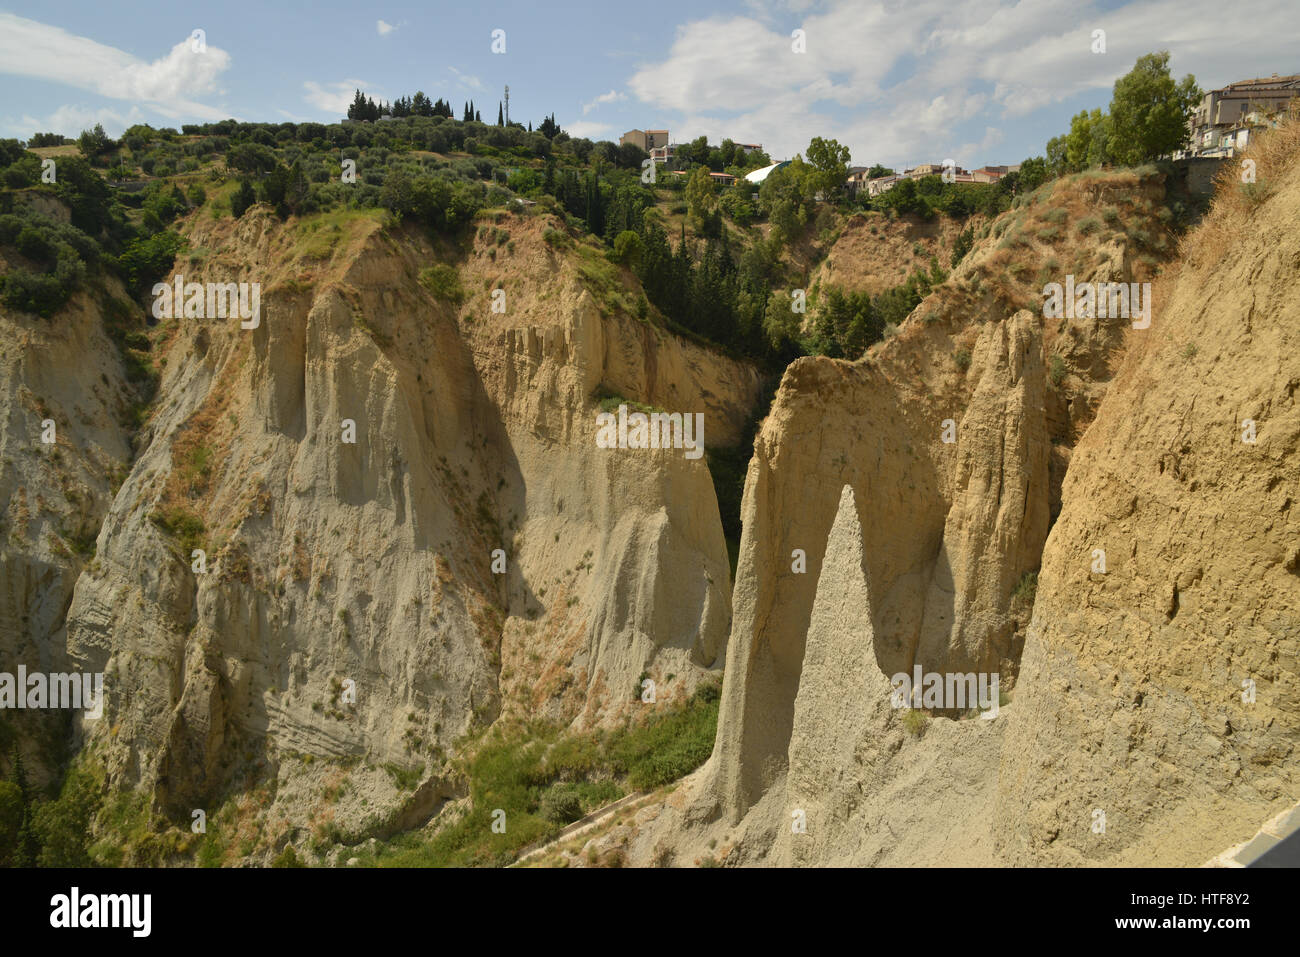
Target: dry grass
(1235,202)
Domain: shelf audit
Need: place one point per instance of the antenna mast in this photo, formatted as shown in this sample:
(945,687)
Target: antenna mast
(507,104)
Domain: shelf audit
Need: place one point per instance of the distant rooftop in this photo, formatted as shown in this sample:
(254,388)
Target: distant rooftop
(758,175)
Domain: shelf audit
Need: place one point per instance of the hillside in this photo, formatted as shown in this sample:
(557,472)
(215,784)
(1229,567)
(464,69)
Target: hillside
(1120,692)
(368,565)
(360,572)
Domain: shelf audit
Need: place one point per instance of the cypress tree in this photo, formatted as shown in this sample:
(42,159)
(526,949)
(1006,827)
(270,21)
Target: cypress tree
(27,847)
(501,121)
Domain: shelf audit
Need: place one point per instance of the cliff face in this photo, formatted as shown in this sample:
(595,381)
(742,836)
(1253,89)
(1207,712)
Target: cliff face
(873,253)
(302,562)
(1164,693)
(1128,697)
(380,519)
(66,407)
(948,435)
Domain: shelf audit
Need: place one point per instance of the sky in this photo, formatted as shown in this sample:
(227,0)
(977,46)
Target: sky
(900,83)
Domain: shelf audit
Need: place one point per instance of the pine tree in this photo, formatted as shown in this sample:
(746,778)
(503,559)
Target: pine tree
(356,111)
(27,846)
(243,198)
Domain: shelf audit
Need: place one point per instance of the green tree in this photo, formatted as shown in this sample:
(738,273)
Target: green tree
(1032,174)
(1149,111)
(13,811)
(781,324)
(700,199)
(1088,142)
(147,259)
(93,142)
(965,240)
(63,825)
(830,166)
(251,158)
(628,248)
(244,197)
(785,197)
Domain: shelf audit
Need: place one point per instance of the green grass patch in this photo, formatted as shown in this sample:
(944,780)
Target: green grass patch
(543,777)
(443,283)
(610,401)
(182,525)
(1056,369)
(605,283)
(1027,587)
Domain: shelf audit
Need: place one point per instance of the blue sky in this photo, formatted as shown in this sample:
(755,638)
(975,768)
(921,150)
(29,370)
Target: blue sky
(980,81)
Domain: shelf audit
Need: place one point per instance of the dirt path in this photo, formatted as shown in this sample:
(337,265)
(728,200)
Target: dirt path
(582,825)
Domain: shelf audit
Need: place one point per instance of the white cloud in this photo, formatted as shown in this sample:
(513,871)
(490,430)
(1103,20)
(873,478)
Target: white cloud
(32,49)
(465,81)
(384,28)
(334,97)
(71,120)
(932,79)
(613,96)
(592,131)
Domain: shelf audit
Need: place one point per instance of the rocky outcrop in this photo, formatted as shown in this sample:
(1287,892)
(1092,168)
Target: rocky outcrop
(1160,686)
(379,519)
(953,438)
(66,405)
(954,505)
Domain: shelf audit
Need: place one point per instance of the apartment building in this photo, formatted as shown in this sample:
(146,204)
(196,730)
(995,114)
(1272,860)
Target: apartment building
(646,140)
(1228,117)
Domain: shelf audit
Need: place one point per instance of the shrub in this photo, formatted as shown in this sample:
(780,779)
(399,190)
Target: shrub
(557,238)
(628,248)
(961,358)
(561,803)
(1026,588)
(914,722)
(1088,225)
(1056,369)
(186,527)
(443,283)
(12,813)
(63,825)
(287,858)
(146,260)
